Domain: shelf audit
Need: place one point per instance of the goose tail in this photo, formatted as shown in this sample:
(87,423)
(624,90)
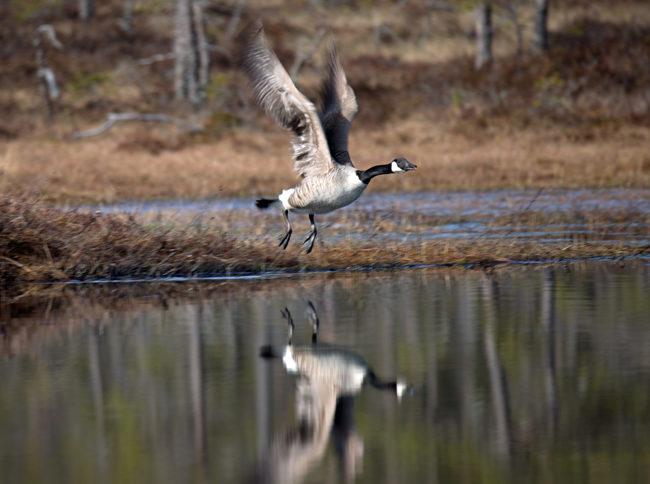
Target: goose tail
(264,203)
(269,352)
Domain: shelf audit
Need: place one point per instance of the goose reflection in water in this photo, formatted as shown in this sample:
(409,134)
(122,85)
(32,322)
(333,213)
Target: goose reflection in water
(328,379)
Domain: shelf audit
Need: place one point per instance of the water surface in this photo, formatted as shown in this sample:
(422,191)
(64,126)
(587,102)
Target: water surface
(529,374)
(552,216)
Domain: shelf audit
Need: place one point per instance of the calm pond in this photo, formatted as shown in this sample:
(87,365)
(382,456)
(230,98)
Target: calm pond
(536,373)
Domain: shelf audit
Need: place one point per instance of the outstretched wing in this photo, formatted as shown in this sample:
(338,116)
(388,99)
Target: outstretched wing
(281,100)
(338,109)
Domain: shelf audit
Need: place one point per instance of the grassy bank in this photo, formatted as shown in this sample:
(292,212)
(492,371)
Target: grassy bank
(46,243)
(41,243)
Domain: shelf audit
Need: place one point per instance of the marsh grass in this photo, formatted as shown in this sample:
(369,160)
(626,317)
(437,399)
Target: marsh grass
(46,243)
(257,163)
(42,243)
(578,115)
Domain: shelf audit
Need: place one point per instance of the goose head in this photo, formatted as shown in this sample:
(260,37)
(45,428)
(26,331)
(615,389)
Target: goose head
(399,165)
(402,388)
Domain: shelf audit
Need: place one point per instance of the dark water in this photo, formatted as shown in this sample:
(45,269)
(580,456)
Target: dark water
(532,374)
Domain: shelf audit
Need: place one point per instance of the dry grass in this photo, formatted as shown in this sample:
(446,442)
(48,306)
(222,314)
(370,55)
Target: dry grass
(44,243)
(250,162)
(578,116)
(39,243)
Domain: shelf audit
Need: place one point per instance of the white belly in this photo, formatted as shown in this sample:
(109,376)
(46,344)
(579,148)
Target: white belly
(324,194)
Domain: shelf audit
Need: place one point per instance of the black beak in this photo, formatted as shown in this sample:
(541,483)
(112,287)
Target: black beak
(408,166)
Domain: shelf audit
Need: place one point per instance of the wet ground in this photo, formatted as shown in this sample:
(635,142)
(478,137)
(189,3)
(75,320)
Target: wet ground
(554,216)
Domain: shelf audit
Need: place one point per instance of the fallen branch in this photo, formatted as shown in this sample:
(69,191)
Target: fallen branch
(116,117)
(302,56)
(16,263)
(155,58)
(442,6)
(147,61)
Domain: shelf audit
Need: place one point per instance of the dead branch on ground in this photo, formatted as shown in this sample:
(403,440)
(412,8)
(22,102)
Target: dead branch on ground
(303,55)
(152,117)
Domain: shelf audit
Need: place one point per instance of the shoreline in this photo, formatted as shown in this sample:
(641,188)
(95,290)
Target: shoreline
(43,243)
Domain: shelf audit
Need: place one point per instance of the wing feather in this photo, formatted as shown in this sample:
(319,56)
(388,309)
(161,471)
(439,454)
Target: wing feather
(281,100)
(339,106)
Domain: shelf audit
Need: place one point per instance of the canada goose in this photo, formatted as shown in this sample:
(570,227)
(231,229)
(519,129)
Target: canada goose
(343,369)
(320,138)
(328,379)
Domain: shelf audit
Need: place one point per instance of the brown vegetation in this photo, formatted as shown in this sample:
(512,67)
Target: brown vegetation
(40,243)
(577,115)
(45,243)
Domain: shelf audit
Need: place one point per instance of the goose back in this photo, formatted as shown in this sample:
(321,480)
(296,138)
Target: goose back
(344,370)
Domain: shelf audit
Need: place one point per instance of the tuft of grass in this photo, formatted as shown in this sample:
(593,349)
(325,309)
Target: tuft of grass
(41,243)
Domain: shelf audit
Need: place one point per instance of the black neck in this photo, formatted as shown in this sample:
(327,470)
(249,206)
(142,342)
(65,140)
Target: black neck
(366,175)
(379,384)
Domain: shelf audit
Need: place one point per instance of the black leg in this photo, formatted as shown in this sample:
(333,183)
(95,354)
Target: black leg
(287,236)
(309,241)
(287,315)
(311,312)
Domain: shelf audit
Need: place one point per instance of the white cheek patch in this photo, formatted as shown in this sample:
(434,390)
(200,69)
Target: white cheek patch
(400,388)
(394,167)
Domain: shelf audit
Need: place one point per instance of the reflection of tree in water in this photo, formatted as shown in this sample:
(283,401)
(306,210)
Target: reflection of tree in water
(523,371)
(329,377)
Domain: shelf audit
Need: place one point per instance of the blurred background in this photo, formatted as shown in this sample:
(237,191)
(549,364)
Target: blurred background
(115,100)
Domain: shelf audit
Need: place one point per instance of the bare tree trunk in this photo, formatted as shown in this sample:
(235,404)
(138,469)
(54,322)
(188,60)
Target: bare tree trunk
(512,12)
(185,60)
(234,21)
(540,30)
(49,90)
(49,87)
(303,55)
(86,9)
(191,70)
(126,22)
(200,46)
(483,35)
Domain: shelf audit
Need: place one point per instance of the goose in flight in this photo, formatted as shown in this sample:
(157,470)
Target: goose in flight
(319,138)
